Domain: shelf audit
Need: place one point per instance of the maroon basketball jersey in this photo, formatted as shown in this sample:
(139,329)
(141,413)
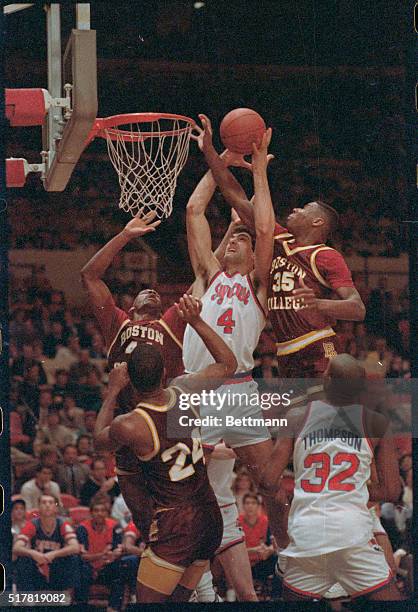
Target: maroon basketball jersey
(322,269)
(175,471)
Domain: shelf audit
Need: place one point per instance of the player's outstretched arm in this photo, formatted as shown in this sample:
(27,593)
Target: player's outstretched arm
(225,364)
(388,487)
(199,238)
(94,269)
(232,191)
(118,379)
(263,217)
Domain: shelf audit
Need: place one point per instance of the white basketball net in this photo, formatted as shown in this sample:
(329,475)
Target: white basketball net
(148,158)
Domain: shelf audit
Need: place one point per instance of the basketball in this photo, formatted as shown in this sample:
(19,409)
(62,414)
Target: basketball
(240,128)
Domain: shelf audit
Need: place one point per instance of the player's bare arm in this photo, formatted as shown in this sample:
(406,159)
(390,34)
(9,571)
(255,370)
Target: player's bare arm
(118,379)
(282,452)
(220,251)
(199,238)
(232,191)
(349,306)
(225,364)
(263,218)
(94,269)
(388,486)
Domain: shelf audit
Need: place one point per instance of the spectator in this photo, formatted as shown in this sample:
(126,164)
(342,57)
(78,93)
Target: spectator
(68,355)
(243,484)
(120,511)
(258,540)
(18,511)
(71,474)
(98,483)
(61,386)
(22,364)
(85,449)
(79,371)
(32,490)
(100,538)
(48,457)
(47,551)
(71,416)
(98,349)
(54,433)
(54,340)
(90,417)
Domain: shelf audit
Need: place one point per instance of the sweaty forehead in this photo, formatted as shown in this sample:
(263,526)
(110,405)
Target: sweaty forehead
(242,235)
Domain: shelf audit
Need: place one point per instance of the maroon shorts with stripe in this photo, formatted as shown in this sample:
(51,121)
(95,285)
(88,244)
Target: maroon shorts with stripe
(309,362)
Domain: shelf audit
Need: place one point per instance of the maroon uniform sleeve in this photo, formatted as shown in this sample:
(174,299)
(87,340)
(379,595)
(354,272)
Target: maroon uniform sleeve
(110,319)
(333,269)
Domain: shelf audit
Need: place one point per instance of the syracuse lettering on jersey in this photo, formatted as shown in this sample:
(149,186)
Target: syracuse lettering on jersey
(225,291)
(141,331)
(283,273)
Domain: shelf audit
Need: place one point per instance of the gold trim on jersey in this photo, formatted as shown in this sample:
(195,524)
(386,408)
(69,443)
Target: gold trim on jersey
(292,346)
(163,407)
(154,433)
(285,235)
(290,251)
(314,266)
(161,562)
(170,333)
(116,335)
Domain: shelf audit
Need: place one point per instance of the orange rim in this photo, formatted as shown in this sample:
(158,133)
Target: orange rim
(108,127)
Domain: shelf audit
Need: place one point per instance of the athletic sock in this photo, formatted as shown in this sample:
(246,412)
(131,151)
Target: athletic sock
(204,590)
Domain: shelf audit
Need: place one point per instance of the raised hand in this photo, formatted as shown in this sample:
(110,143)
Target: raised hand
(189,309)
(260,158)
(235,159)
(119,377)
(140,226)
(204,134)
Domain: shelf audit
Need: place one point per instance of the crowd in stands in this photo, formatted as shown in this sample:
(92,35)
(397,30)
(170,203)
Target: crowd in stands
(58,382)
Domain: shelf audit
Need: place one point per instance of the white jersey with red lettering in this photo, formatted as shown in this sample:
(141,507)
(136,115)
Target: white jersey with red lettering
(232,309)
(332,458)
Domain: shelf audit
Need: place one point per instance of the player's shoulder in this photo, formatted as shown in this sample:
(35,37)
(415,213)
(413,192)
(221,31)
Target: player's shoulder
(376,424)
(281,232)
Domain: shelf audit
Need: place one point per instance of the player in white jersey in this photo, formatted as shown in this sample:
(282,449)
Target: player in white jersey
(332,444)
(234,303)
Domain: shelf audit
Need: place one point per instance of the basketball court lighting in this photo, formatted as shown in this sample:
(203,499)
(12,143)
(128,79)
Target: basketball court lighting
(13,8)
(198,5)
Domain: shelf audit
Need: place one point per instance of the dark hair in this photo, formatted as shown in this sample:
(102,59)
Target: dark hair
(243,229)
(146,367)
(250,496)
(332,215)
(46,450)
(68,446)
(43,467)
(19,500)
(100,499)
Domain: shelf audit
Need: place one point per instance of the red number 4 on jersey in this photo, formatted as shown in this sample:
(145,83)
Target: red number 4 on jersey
(226,321)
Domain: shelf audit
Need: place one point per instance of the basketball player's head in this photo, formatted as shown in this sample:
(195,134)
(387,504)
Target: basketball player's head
(240,249)
(147,304)
(344,380)
(317,218)
(146,368)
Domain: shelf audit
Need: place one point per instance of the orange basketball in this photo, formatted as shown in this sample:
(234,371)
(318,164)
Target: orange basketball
(240,128)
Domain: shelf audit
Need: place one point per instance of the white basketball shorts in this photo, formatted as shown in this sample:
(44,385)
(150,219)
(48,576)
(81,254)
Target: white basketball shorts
(233,534)
(239,418)
(358,570)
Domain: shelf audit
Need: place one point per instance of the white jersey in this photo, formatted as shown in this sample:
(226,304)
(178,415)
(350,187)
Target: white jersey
(331,460)
(231,308)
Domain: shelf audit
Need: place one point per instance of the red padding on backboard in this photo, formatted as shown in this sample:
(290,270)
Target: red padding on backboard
(25,107)
(15,172)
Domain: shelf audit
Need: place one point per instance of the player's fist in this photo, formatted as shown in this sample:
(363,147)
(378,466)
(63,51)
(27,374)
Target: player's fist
(306,295)
(119,377)
(140,226)
(189,308)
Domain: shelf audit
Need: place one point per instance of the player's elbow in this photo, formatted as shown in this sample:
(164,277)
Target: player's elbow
(194,207)
(361,310)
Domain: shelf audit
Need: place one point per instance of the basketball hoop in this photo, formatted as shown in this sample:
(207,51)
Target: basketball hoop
(148,152)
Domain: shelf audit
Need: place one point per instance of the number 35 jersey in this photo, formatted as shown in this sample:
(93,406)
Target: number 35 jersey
(174,471)
(322,269)
(230,306)
(331,460)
